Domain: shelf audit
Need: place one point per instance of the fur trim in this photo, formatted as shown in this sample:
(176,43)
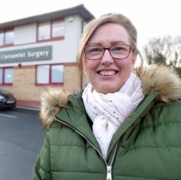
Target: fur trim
(161,79)
(52,101)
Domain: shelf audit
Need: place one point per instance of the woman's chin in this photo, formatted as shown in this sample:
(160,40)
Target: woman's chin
(106,89)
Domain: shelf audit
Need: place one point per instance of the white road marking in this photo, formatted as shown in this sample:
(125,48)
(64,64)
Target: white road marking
(5,115)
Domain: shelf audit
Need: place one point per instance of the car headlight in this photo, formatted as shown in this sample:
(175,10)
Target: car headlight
(2,97)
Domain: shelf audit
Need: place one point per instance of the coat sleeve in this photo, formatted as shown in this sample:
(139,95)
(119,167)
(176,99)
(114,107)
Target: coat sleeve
(42,166)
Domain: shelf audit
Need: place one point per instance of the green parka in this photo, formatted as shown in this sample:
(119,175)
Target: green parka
(147,146)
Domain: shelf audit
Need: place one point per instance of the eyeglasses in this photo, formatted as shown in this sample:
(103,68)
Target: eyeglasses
(119,52)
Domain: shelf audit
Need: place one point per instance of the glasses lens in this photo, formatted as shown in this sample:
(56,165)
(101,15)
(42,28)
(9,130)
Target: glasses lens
(94,52)
(120,51)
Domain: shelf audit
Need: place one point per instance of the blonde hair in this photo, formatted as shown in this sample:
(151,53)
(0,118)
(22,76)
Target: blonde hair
(92,26)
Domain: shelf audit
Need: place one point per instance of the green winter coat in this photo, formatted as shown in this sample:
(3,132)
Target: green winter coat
(147,146)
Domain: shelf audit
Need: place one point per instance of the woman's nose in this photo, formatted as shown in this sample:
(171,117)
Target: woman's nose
(107,58)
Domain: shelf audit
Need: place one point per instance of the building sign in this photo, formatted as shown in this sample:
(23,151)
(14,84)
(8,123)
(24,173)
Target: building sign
(26,55)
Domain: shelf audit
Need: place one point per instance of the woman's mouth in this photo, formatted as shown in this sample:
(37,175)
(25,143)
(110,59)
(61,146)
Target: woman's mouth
(107,73)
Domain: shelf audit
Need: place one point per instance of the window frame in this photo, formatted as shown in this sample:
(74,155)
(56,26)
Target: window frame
(49,75)
(4,37)
(51,30)
(3,76)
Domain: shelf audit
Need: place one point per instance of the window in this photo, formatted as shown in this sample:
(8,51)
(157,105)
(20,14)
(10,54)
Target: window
(6,76)
(44,31)
(50,30)
(1,38)
(1,75)
(7,38)
(50,74)
(57,74)
(57,29)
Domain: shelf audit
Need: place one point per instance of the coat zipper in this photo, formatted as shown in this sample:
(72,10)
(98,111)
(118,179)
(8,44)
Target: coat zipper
(108,167)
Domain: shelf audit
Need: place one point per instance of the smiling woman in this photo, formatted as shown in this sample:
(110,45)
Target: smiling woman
(103,131)
(7,99)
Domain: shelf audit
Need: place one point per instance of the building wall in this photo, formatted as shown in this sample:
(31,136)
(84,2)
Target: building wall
(28,93)
(64,52)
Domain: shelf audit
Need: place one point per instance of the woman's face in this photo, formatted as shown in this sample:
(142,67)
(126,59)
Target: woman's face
(108,75)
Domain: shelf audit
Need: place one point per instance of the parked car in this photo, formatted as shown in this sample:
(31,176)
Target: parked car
(7,99)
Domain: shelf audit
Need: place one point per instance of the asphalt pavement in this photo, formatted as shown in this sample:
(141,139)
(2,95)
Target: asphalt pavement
(21,137)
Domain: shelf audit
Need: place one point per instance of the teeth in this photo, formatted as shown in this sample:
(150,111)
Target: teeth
(107,73)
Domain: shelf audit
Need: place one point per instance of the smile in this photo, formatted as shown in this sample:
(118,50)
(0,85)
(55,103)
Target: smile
(107,73)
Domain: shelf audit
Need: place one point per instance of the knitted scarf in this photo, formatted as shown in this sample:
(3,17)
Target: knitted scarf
(108,111)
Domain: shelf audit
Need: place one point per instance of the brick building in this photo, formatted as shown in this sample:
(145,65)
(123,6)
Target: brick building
(40,51)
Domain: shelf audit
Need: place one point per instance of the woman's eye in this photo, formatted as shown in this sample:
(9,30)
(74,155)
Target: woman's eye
(96,49)
(117,48)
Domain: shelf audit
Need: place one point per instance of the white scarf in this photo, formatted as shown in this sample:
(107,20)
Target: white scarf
(108,111)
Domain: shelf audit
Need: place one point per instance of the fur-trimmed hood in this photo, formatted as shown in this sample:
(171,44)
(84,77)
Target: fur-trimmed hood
(154,78)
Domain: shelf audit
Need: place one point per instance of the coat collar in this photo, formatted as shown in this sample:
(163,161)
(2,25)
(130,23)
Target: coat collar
(161,79)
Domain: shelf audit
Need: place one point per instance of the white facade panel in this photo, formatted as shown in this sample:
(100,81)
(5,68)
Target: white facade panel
(25,34)
(73,25)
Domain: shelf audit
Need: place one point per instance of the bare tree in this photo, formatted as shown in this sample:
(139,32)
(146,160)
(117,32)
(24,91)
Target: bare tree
(166,50)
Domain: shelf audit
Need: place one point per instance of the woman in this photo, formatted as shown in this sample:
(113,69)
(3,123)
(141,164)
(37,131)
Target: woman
(124,125)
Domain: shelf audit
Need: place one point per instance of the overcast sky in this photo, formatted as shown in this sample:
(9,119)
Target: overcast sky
(152,18)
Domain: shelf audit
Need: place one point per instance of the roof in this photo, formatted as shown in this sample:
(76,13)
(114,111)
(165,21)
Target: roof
(77,10)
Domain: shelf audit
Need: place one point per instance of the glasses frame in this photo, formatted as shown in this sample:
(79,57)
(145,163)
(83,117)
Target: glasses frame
(104,48)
